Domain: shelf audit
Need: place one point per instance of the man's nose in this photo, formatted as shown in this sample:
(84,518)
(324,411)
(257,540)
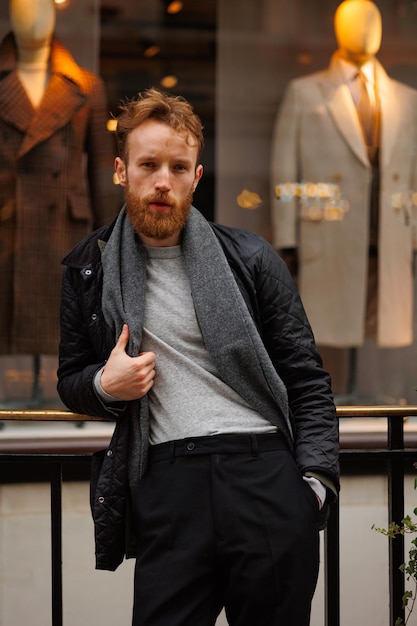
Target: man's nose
(163,179)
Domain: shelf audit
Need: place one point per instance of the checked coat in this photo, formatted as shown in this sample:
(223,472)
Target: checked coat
(56,185)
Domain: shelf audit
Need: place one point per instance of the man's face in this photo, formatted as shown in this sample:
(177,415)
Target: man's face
(160,177)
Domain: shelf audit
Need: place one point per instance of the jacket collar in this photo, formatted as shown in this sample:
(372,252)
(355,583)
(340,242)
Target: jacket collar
(88,252)
(65,94)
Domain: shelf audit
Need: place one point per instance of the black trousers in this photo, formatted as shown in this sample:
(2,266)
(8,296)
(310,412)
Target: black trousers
(225,521)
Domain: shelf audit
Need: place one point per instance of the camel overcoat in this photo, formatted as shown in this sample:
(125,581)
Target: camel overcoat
(318,138)
(56,168)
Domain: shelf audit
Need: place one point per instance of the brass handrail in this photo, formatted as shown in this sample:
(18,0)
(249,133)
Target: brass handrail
(48,415)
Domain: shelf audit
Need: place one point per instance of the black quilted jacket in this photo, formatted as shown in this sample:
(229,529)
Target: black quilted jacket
(86,342)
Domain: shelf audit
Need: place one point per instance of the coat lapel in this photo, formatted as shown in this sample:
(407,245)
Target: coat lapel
(390,108)
(62,98)
(64,95)
(15,107)
(342,110)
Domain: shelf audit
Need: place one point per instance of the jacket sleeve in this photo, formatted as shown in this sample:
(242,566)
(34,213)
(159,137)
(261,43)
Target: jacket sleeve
(289,340)
(82,347)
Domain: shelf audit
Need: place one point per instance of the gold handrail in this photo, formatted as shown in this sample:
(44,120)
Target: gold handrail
(48,415)
(396,410)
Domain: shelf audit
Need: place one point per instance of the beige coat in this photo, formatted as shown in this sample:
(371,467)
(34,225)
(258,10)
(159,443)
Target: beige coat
(56,168)
(317,138)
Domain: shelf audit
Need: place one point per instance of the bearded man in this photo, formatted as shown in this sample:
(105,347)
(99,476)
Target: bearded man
(192,336)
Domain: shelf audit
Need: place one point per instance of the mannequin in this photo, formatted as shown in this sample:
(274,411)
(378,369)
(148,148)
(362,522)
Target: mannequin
(355,275)
(56,165)
(33,25)
(358,30)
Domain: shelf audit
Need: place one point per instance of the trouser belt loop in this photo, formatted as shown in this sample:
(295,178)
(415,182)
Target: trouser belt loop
(254,445)
(172,451)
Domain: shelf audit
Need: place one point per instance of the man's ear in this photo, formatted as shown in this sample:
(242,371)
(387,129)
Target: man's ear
(120,167)
(198,175)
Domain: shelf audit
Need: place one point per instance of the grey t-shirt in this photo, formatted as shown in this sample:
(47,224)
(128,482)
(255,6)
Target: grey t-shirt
(188,398)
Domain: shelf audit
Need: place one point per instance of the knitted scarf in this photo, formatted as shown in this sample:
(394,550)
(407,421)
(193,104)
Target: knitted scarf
(228,329)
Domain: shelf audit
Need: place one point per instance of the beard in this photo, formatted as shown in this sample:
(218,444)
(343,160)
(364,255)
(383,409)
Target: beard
(154,224)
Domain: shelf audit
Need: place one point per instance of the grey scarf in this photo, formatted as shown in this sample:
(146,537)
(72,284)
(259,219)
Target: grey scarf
(228,329)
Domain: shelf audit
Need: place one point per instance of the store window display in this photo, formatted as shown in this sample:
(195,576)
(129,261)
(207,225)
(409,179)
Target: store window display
(56,163)
(355,275)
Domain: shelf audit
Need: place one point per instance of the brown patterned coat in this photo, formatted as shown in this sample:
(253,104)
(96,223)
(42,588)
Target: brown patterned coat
(56,166)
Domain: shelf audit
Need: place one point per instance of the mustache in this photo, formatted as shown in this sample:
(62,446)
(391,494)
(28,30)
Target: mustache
(160,196)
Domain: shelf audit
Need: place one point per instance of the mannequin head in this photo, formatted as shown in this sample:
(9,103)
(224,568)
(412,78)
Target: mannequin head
(358,29)
(33,22)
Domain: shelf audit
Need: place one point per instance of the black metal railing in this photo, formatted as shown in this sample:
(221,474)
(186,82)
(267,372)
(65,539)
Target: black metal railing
(394,454)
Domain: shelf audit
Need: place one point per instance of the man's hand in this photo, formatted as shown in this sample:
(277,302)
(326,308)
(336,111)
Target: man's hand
(125,377)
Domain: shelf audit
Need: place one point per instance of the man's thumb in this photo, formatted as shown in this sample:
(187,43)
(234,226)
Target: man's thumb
(123,337)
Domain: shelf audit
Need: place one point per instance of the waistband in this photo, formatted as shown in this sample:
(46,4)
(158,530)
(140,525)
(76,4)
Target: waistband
(217,444)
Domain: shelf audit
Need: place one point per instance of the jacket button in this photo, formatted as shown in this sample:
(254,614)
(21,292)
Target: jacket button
(94,317)
(88,272)
(109,452)
(190,446)
(101,499)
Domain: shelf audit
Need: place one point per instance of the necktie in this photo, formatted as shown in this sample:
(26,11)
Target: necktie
(365,109)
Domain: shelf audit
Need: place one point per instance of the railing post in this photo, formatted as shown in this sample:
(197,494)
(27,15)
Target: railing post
(396,514)
(56,542)
(332,568)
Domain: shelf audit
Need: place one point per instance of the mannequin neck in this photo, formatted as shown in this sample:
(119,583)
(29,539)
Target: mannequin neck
(27,56)
(355,58)
(33,71)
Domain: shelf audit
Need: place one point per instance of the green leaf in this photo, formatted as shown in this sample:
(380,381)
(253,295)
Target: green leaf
(406,597)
